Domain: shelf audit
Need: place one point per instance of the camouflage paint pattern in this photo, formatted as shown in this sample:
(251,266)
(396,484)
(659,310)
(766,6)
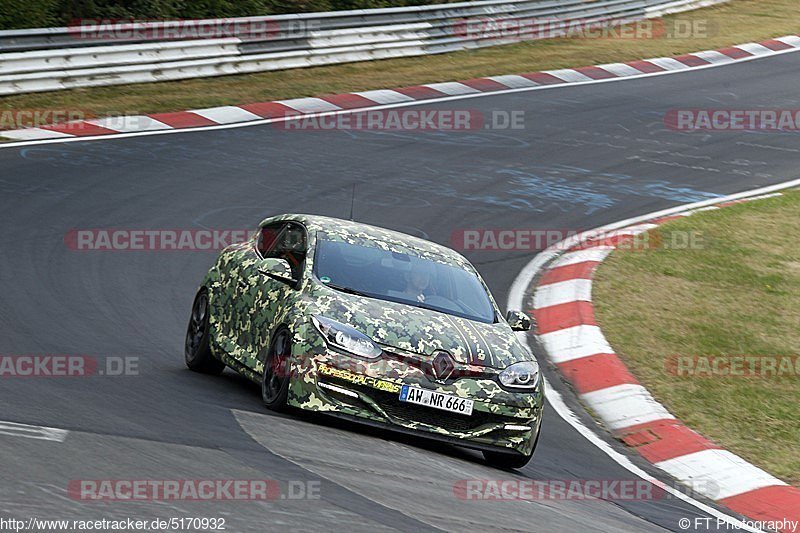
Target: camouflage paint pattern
(247,307)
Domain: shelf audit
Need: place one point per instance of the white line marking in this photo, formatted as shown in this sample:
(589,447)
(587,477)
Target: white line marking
(14,429)
(712,56)
(513,81)
(720,471)
(791,40)
(516,299)
(569,75)
(763,196)
(636,230)
(128,123)
(595,253)
(625,405)
(227,114)
(310,105)
(402,104)
(620,69)
(669,63)
(28,134)
(385,96)
(571,290)
(452,88)
(755,49)
(576,342)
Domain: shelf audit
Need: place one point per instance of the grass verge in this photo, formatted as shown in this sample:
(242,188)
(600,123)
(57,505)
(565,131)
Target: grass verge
(737,22)
(737,293)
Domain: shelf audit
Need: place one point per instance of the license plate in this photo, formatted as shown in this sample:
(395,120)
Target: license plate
(437,400)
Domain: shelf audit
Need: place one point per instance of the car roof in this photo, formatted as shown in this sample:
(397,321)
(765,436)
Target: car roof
(339,226)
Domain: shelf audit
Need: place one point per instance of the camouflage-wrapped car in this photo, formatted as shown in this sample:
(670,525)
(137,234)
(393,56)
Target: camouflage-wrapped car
(372,325)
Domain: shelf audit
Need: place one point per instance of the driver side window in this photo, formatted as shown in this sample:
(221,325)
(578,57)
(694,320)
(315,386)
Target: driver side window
(284,241)
(268,238)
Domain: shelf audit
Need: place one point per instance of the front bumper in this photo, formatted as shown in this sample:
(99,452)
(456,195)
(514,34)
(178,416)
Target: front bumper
(368,393)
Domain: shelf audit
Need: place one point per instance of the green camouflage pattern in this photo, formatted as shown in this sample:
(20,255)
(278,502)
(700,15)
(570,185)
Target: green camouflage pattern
(246,307)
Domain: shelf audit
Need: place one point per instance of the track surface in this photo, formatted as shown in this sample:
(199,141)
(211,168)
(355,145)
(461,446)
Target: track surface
(588,156)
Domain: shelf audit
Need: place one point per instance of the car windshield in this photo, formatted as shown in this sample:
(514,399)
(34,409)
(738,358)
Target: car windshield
(377,270)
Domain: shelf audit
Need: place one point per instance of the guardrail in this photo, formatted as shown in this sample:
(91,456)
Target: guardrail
(52,59)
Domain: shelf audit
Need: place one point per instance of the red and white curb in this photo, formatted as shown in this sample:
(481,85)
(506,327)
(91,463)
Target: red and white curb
(572,340)
(297,107)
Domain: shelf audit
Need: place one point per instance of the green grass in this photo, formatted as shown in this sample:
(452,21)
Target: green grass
(738,294)
(737,22)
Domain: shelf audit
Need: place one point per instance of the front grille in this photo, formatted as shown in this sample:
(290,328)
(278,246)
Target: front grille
(408,412)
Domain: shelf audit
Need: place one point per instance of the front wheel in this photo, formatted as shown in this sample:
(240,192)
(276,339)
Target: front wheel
(275,376)
(197,350)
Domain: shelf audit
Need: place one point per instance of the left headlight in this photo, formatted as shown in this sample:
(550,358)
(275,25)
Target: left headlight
(346,338)
(524,375)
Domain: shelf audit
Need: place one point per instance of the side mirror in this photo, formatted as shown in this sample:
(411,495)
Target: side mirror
(518,321)
(277,269)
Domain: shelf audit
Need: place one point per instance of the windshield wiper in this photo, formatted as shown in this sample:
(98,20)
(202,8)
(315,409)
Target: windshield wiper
(348,290)
(444,310)
(430,307)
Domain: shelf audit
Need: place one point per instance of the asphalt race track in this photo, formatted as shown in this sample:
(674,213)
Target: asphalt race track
(587,156)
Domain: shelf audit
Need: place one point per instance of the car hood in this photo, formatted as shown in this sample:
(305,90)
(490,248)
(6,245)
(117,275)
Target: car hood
(422,331)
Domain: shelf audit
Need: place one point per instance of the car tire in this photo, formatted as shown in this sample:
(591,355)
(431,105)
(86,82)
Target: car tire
(275,376)
(510,460)
(197,348)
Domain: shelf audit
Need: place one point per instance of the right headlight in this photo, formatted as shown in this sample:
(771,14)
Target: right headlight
(346,338)
(524,375)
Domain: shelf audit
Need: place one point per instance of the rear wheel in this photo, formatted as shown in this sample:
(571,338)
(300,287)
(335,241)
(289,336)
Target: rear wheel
(197,351)
(275,377)
(510,460)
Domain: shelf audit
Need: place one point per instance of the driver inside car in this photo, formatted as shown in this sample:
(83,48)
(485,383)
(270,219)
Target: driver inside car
(418,282)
